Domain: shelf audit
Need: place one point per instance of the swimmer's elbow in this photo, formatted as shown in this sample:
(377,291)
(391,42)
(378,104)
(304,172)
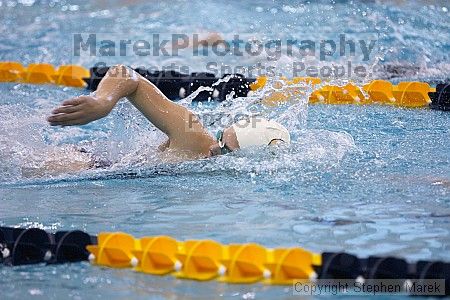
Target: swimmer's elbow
(124,72)
(122,79)
(116,69)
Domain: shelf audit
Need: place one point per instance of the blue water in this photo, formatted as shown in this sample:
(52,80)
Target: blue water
(370,180)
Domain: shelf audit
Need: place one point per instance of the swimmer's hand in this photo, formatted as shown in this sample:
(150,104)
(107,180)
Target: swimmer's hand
(79,111)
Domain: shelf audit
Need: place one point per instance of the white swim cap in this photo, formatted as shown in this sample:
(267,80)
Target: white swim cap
(258,131)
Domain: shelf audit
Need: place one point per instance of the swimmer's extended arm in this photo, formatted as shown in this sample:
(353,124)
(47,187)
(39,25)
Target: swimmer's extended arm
(185,132)
(116,84)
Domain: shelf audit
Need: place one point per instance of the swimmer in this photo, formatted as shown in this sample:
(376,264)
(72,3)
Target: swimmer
(187,138)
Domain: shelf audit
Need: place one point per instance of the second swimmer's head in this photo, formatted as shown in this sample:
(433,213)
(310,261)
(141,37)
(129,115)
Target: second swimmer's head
(255,131)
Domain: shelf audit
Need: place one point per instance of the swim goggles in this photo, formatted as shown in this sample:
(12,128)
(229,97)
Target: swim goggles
(224,149)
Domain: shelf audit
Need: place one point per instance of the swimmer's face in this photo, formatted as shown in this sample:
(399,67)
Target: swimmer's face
(229,140)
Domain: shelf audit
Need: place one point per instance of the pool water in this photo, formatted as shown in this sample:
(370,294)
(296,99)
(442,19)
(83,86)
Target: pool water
(369,180)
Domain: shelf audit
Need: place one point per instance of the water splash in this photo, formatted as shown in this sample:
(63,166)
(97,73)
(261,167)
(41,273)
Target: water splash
(127,141)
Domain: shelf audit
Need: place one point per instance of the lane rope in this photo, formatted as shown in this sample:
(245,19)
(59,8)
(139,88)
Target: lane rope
(205,260)
(176,85)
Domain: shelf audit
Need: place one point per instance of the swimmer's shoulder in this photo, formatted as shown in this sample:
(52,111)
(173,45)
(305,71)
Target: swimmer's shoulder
(176,155)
